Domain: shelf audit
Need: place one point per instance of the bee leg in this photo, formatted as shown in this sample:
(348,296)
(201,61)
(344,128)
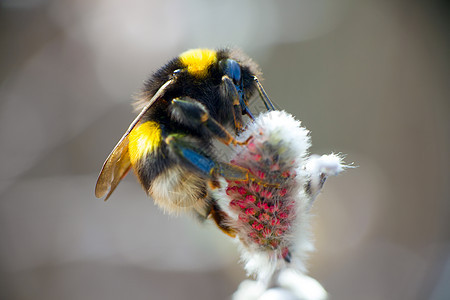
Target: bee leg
(222,219)
(222,134)
(218,216)
(194,114)
(193,158)
(229,172)
(230,92)
(263,95)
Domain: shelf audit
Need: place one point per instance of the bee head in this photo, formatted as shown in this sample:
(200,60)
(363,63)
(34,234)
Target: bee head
(232,69)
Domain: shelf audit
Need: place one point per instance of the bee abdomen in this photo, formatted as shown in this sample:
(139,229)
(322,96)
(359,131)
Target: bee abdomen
(177,190)
(144,140)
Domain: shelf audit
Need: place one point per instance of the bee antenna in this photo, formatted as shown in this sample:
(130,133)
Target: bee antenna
(249,113)
(263,95)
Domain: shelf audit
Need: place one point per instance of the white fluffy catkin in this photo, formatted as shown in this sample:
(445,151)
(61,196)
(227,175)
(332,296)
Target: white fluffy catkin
(270,212)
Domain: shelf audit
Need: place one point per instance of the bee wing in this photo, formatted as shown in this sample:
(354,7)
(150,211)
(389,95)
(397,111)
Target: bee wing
(117,165)
(114,169)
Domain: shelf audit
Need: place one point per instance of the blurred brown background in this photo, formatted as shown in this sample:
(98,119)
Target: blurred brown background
(369,78)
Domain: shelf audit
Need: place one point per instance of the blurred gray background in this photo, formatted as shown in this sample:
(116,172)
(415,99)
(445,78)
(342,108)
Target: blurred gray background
(369,79)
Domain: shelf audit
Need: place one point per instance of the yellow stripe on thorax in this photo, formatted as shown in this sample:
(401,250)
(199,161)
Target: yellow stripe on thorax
(143,139)
(197,61)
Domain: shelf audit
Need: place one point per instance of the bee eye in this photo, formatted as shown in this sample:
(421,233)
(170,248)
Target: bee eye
(231,68)
(176,72)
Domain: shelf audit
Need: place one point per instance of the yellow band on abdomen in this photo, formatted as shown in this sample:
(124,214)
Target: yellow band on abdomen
(143,139)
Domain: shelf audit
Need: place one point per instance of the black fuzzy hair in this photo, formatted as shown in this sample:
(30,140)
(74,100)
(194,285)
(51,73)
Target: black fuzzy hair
(206,90)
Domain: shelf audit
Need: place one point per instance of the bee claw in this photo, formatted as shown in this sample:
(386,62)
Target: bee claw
(244,143)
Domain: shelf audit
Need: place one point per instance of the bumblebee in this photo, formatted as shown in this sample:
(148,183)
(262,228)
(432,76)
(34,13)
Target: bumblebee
(185,106)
